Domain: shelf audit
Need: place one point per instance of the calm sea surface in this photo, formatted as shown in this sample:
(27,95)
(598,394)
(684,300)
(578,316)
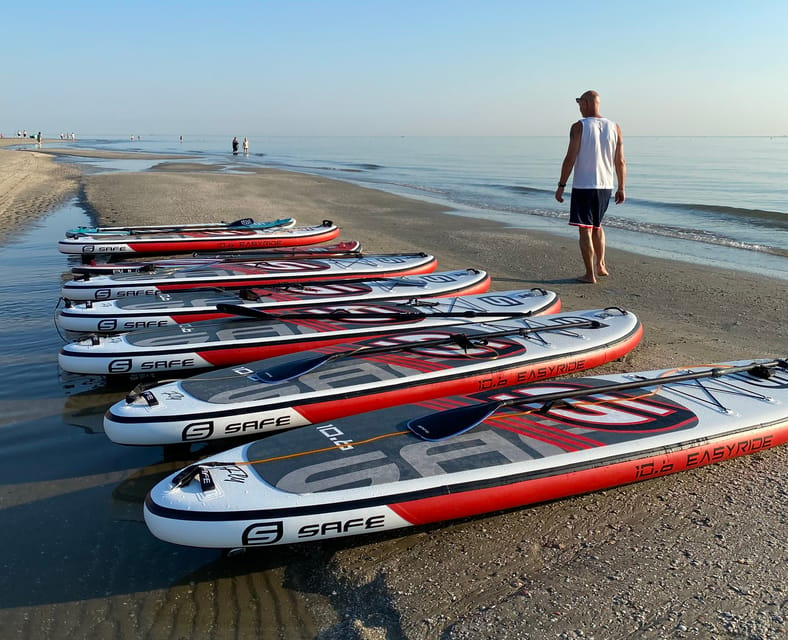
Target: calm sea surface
(717,201)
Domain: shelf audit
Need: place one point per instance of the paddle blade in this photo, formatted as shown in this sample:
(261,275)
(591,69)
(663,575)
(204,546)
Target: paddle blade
(289,370)
(452,422)
(243,222)
(240,310)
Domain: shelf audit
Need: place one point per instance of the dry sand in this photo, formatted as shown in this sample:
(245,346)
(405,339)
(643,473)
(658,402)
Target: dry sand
(698,555)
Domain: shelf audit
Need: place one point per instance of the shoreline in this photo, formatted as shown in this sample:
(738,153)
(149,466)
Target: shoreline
(649,558)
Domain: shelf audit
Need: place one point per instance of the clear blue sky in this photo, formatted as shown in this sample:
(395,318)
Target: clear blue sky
(392,67)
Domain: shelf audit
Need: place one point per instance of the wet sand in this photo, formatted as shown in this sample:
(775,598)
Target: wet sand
(30,185)
(699,554)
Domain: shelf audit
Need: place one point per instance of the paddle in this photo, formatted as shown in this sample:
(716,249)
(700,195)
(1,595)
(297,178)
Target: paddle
(162,228)
(290,370)
(254,258)
(344,314)
(199,261)
(453,422)
(300,255)
(347,246)
(244,222)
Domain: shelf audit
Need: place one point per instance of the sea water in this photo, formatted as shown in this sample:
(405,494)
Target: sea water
(72,541)
(716,201)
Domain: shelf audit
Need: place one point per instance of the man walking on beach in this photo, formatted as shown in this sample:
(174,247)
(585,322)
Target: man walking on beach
(596,152)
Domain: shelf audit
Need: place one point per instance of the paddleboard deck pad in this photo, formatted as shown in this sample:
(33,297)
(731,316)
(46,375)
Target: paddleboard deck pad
(246,274)
(371,473)
(198,240)
(347,249)
(310,387)
(235,340)
(181,307)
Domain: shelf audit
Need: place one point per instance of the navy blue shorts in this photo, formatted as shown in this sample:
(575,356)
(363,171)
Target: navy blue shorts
(587,207)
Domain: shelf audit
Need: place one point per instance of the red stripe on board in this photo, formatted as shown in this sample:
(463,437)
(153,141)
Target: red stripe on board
(421,366)
(562,485)
(537,431)
(218,244)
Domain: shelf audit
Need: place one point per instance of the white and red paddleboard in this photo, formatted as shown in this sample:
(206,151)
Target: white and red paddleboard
(182,307)
(228,239)
(497,450)
(313,386)
(346,249)
(246,274)
(235,340)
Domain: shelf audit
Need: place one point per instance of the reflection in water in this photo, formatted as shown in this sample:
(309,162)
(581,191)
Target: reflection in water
(73,542)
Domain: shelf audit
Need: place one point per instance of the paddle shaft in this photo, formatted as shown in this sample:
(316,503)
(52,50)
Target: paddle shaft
(159,228)
(343,314)
(291,370)
(445,424)
(638,384)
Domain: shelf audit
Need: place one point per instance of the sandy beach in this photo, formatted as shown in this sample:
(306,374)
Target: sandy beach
(700,554)
(30,184)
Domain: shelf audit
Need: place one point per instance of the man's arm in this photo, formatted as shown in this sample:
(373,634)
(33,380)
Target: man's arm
(621,167)
(575,133)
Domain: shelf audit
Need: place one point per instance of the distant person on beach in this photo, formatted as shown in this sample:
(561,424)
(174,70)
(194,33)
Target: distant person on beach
(235,145)
(246,146)
(596,152)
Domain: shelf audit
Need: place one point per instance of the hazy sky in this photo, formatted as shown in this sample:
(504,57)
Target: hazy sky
(399,67)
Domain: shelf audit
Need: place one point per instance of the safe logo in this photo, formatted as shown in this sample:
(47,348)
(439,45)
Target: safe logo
(107,326)
(197,431)
(262,533)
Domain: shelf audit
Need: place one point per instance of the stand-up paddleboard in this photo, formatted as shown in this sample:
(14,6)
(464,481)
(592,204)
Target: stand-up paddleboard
(229,341)
(314,386)
(501,449)
(348,249)
(243,223)
(168,309)
(204,240)
(239,275)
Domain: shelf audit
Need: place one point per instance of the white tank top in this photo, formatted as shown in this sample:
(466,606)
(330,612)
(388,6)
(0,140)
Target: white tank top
(595,163)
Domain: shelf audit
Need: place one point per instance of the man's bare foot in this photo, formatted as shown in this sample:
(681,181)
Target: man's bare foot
(586,279)
(601,270)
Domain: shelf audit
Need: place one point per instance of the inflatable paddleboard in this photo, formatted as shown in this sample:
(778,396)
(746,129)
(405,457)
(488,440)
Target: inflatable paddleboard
(347,249)
(228,341)
(314,386)
(243,274)
(181,307)
(198,240)
(243,223)
(501,449)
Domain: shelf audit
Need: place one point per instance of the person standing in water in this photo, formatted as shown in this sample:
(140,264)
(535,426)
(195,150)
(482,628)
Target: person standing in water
(595,153)
(235,146)
(246,146)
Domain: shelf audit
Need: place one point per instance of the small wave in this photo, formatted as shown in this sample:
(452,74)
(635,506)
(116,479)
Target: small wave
(520,189)
(353,168)
(754,216)
(341,169)
(694,235)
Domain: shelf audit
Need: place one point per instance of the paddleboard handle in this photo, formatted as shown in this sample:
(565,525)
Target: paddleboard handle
(201,470)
